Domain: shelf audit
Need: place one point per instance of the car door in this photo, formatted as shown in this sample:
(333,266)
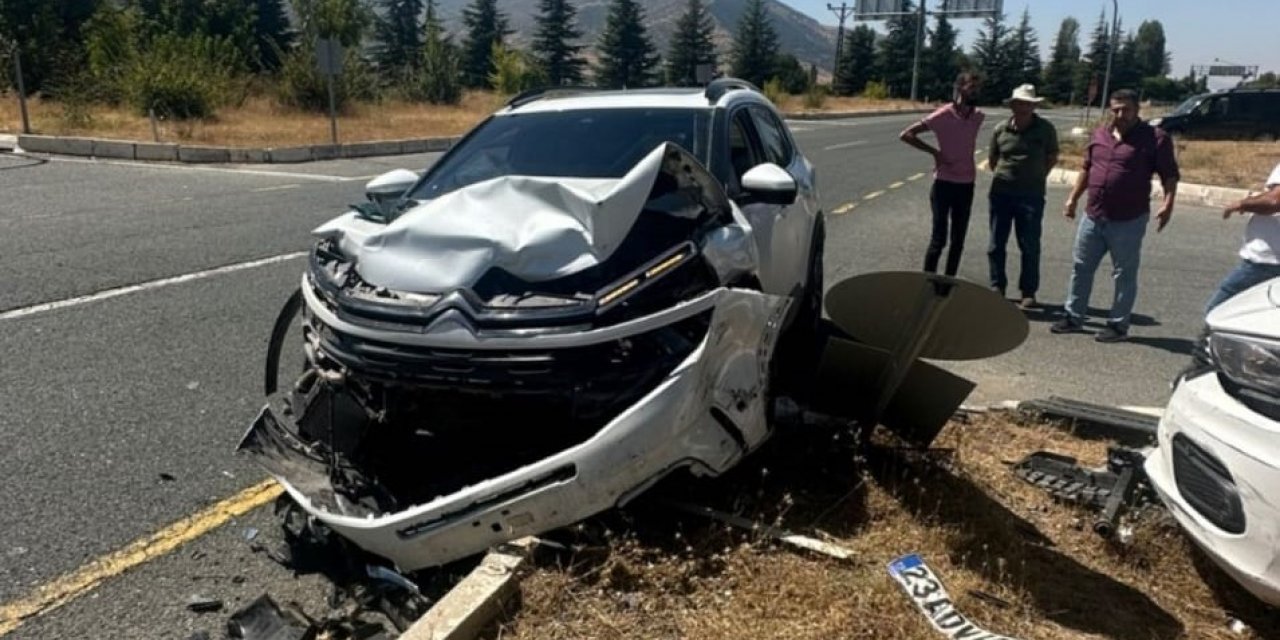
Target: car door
(793,227)
(745,153)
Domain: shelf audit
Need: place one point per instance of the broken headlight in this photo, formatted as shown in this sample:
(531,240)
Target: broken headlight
(673,277)
(1246,361)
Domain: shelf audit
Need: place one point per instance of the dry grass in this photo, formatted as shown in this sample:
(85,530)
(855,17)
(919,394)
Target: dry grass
(261,122)
(795,104)
(650,574)
(1228,164)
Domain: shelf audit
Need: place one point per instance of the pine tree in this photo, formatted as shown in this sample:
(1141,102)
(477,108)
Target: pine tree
(49,37)
(1024,54)
(559,59)
(692,44)
(755,45)
(627,56)
(857,61)
(992,57)
(1059,75)
(1149,53)
(1126,73)
(486,26)
(439,77)
(1094,65)
(271,32)
(399,35)
(939,62)
(896,58)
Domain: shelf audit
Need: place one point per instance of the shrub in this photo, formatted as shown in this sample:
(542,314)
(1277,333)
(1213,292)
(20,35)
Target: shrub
(816,96)
(304,87)
(181,77)
(876,91)
(774,91)
(438,79)
(513,72)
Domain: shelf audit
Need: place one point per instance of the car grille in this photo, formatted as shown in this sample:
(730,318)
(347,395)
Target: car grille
(1206,485)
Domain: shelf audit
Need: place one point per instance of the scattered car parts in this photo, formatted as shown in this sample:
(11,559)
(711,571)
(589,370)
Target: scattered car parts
(1118,487)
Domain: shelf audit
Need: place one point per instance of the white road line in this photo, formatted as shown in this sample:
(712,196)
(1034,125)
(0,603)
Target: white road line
(196,168)
(873,195)
(278,188)
(844,145)
(915,177)
(844,208)
(145,286)
(896,185)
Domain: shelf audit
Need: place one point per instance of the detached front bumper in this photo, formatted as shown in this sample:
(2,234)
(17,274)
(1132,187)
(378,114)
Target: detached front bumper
(1217,468)
(704,415)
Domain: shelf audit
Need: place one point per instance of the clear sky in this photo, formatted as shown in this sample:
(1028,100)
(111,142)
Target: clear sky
(1196,31)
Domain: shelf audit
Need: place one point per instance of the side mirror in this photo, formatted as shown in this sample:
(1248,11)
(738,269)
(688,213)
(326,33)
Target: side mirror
(771,184)
(390,186)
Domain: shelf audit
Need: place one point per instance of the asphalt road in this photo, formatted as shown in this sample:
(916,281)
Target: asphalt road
(120,409)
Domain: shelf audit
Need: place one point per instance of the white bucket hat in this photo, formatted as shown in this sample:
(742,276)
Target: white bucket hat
(1025,93)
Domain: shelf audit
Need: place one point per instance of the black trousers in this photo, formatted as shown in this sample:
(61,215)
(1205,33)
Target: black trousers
(951,202)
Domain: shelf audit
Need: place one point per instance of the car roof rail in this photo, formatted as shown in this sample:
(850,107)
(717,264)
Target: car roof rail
(533,95)
(720,86)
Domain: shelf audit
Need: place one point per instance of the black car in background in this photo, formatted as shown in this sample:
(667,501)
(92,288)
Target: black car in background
(1238,114)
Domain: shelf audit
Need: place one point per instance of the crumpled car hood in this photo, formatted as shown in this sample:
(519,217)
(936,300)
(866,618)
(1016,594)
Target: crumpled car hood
(535,228)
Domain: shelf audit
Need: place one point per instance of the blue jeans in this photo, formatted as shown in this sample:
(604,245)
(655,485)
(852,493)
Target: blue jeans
(1094,238)
(1022,214)
(1244,276)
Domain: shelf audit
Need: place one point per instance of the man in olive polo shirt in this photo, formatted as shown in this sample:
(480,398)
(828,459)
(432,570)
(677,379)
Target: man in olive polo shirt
(1023,150)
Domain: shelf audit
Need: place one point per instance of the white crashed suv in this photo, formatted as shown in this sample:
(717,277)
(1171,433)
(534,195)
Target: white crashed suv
(583,295)
(1217,466)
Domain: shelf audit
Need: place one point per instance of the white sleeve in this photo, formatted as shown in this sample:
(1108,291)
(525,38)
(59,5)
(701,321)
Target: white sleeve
(1274,180)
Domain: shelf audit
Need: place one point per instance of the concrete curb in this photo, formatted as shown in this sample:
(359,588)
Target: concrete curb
(479,598)
(202,154)
(1197,194)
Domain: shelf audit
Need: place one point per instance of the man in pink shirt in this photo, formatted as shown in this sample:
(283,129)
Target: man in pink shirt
(956,128)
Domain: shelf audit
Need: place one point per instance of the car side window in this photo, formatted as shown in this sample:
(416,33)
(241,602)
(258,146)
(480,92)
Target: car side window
(777,147)
(743,152)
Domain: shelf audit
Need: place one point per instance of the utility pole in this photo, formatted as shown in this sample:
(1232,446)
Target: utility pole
(842,13)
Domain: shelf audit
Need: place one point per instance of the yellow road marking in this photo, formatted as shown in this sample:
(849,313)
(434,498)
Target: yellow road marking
(873,195)
(844,208)
(896,185)
(83,580)
(916,176)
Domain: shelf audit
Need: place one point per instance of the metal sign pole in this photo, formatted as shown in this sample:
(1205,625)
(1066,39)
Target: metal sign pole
(333,111)
(842,13)
(22,90)
(915,63)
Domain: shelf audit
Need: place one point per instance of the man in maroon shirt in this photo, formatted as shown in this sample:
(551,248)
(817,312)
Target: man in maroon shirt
(1119,163)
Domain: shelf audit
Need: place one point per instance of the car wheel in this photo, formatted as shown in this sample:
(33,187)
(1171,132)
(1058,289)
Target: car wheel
(811,300)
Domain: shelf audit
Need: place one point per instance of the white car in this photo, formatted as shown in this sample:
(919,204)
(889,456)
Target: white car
(584,295)
(1217,465)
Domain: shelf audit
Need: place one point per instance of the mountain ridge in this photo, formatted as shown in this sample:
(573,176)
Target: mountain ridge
(798,34)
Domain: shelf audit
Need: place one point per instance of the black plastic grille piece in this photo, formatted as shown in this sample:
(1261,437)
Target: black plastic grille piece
(1206,485)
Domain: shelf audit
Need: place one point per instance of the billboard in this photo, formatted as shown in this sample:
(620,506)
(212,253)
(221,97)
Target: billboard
(970,8)
(878,9)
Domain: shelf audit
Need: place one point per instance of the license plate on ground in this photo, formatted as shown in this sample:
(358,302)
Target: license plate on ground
(925,589)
